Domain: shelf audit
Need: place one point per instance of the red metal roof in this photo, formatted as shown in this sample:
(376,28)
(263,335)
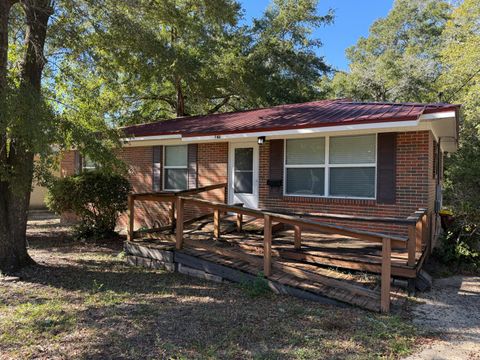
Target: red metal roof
(285,117)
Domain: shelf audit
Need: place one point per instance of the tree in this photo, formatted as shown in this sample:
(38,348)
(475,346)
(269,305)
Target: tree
(461,83)
(16,161)
(400,58)
(145,60)
(186,57)
(107,62)
(29,124)
(280,64)
(461,58)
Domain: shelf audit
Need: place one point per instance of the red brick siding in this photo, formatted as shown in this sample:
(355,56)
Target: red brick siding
(67,165)
(415,185)
(212,165)
(212,160)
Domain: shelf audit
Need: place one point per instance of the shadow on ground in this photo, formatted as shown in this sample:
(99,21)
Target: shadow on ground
(107,310)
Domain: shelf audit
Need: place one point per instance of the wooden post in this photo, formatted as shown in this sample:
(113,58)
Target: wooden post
(425,230)
(225,200)
(216,224)
(418,236)
(179,227)
(411,245)
(386,275)
(131,217)
(267,246)
(298,236)
(419,230)
(431,228)
(239,222)
(172,216)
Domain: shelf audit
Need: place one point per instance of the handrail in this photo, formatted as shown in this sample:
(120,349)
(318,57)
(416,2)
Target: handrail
(270,217)
(378,219)
(166,196)
(417,224)
(291,220)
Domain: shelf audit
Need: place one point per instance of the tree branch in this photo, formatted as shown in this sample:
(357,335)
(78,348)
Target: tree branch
(220,105)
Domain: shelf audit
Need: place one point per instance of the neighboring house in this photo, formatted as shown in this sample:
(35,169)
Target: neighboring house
(38,194)
(37,197)
(331,156)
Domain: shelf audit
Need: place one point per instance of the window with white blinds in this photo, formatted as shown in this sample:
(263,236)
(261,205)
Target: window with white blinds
(305,166)
(175,168)
(336,166)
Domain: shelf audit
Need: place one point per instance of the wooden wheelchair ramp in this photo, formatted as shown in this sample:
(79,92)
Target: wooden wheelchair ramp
(324,282)
(227,260)
(232,242)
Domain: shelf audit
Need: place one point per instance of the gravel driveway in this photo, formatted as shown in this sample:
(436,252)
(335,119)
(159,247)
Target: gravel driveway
(451,310)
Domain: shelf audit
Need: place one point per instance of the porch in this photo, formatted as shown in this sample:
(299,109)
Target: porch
(297,254)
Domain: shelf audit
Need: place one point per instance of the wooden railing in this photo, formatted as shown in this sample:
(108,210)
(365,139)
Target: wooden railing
(418,228)
(419,236)
(168,197)
(386,241)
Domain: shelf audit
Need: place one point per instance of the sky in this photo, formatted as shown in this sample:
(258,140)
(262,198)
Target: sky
(353,18)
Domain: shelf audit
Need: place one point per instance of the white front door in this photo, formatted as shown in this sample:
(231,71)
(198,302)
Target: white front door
(243,174)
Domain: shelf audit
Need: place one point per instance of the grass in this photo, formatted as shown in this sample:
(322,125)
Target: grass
(82,302)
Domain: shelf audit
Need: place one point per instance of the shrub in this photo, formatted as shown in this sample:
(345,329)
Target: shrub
(460,247)
(96,197)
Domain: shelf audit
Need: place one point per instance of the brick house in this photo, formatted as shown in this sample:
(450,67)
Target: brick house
(332,156)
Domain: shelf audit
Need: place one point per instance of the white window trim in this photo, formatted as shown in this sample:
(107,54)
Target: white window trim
(327,167)
(165,167)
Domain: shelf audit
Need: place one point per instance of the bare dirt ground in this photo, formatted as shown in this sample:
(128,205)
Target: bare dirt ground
(451,310)
(82,302)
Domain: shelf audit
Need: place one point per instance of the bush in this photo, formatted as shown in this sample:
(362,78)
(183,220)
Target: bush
(96,197)
(462,177)
(460,247)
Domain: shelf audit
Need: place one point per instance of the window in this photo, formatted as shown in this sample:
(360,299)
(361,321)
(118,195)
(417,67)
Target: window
(340,166)
(243,168)
(305,166)
(175,169)
(88,164)
(352,166)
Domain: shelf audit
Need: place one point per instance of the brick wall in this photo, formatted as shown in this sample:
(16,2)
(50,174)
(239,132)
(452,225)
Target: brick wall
(212,169)
(415,184)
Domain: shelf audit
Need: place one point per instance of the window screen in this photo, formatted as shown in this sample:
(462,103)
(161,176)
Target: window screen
(243,168)
(306,181)
(349,172)
(176,155)
(88,164)
(352,181)
(175,179)
(306,151)
(345,179)
(305,163)
(352,149)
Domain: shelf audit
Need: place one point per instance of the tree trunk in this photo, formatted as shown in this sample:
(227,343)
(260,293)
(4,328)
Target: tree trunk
(180,99)
(17,157)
